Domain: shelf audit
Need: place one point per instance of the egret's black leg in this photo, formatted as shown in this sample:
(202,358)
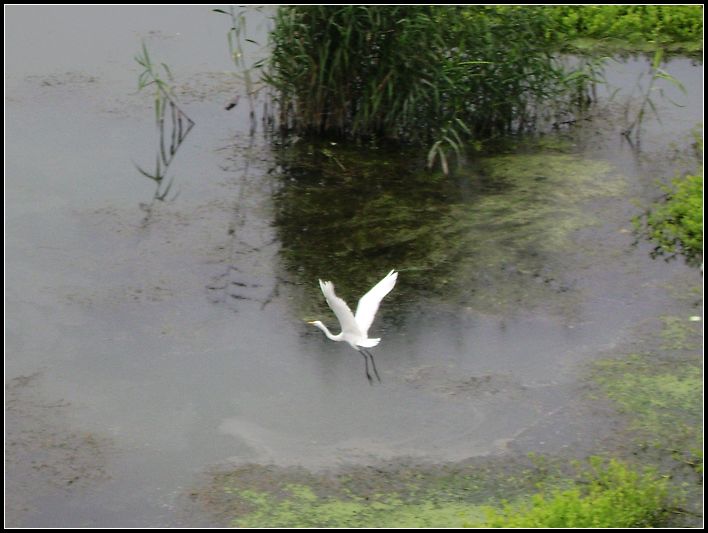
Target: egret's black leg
(366,362)
(367,352)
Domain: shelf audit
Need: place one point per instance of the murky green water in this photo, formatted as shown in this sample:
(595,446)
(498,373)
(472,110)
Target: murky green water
(149,342)
(492,239)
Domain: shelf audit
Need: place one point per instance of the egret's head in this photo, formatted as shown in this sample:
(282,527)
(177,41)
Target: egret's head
(317,324)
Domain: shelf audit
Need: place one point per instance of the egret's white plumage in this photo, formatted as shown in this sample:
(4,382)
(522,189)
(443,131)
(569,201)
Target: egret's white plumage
(355,327)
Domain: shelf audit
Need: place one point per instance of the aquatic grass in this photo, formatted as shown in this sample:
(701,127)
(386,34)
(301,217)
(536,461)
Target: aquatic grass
(445,79)
(441,77)
(400,494)
(658,392)
(238,41)
(545,492)
(647,102)
(299,506)
(662,398)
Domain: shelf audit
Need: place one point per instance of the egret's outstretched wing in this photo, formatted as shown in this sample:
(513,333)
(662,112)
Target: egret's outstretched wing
(340,308)
(369,303)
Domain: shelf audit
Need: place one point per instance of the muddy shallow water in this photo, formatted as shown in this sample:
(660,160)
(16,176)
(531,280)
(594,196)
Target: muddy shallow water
(148,342)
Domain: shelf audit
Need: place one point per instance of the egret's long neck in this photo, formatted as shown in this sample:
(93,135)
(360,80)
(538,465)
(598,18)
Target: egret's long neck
(327,332)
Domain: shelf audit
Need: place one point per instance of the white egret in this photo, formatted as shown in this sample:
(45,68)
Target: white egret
(355,326)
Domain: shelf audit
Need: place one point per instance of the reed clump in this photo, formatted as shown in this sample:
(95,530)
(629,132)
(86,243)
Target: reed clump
(435,76)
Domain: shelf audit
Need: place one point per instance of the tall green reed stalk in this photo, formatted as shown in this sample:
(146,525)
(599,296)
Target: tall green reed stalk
(634,125)
(237,37)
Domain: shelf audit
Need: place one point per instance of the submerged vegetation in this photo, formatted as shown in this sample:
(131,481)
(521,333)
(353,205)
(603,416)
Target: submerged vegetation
(597,493)
(657,388)
(487,240)
(662,397)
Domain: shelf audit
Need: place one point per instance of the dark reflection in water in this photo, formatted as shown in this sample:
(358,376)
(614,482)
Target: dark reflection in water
(492,238)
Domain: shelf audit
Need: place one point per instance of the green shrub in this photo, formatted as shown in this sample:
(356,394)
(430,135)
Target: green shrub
(611,495)
(632,23)
(676,223)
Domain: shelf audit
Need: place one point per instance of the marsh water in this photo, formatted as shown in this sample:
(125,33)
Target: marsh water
(149,341)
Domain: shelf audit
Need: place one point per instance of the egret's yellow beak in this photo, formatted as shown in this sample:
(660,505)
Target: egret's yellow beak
(310,321)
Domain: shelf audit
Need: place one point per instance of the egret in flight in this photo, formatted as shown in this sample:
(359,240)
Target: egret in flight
(355,326)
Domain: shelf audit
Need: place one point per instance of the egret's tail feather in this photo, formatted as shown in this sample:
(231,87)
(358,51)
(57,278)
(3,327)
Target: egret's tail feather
(368,343)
